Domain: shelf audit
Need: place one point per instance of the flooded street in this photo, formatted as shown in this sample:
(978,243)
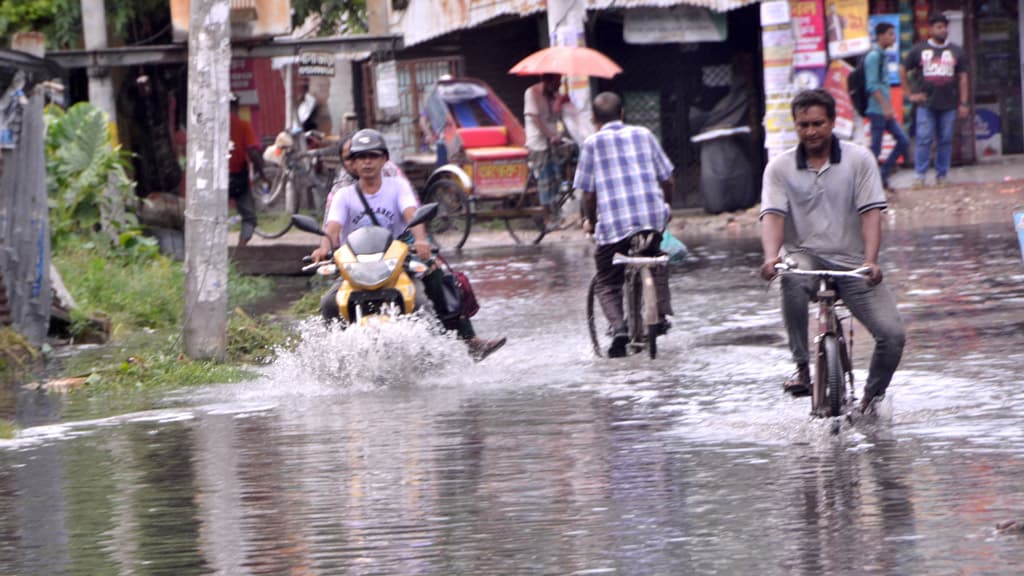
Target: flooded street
(390,452)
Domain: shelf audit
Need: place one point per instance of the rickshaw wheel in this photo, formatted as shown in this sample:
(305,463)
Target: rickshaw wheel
(533,232)
(450,228)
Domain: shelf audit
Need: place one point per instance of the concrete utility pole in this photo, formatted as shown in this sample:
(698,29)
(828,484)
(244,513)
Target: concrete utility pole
(94,30)
(206,210)
(566,27)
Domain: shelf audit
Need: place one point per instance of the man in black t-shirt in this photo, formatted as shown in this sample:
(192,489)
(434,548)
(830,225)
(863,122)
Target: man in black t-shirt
(934,74)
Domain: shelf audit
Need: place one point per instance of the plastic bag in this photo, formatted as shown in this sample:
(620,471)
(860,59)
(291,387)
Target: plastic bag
(674,247)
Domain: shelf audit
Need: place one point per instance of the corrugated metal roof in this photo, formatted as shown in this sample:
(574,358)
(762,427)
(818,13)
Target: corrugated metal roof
(427,19)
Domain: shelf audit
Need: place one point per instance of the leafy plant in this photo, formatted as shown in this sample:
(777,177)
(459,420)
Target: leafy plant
(130,21)
(336,16)
(81,165)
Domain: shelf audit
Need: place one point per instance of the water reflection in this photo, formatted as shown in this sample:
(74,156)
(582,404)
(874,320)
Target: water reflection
(543,460)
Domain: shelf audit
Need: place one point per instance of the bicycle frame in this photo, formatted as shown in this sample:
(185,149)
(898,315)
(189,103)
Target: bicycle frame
(830,329)
(641,323)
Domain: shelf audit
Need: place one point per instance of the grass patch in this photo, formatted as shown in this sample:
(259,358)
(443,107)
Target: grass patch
(142,297)
(8,429)
(134,292)
(16,354)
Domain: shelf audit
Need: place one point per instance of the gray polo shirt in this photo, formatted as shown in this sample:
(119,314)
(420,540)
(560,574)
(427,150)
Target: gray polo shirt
(822,207)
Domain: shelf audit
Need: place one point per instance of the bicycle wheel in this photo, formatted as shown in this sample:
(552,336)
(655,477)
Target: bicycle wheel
(649,308)
(633,292)
(450,228)
(597,325)
(275,224)
(834,375)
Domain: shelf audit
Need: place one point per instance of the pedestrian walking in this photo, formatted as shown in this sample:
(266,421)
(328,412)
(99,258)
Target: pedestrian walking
(245,149)
(821,206)
(880,110)
(934,74)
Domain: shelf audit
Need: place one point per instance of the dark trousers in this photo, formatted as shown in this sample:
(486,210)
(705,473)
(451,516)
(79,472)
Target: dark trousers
(238,189)
(610,278)
(874,306)
(430,285)
(879,126)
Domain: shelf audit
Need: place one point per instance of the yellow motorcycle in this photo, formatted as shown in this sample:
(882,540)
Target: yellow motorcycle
(377,274)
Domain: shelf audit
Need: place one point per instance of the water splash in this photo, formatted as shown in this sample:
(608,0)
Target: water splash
(397,353)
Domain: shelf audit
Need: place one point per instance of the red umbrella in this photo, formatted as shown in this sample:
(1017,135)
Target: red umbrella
(567,61)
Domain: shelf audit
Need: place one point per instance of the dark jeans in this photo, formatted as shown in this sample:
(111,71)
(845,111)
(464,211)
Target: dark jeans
(879,126)
(934,125)
(430,285)
(873,306)
(610,278)
(238,188)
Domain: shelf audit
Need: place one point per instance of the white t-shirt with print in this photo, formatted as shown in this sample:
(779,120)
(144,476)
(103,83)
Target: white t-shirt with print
(388,204)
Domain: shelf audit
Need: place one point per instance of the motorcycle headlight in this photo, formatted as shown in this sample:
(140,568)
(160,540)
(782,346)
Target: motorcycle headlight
(369,273)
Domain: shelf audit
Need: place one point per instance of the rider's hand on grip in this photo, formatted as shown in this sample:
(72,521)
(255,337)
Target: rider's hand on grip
(768,269)
(874,276)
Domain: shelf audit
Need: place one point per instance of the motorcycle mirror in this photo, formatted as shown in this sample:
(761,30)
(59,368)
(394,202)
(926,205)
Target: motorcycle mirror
(424,213)
(307,224)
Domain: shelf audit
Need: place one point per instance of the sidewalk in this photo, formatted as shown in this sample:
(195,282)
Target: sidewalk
(987,170)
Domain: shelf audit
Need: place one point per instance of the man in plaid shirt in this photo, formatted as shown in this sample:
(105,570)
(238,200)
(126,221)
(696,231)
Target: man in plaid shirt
(626,181)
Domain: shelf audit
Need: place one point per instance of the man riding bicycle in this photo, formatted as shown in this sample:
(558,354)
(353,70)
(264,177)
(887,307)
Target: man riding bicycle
(626,180)
(821,205)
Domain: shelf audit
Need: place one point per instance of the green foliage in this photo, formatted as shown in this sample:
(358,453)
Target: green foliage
(347,15)
(254,340)
(129,21)
(137,288)
(81,163)
(157,370)
(8,429)
(16,353)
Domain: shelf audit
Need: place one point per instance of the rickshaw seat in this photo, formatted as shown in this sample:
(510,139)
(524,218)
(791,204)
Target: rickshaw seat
(497,153)
(483,136)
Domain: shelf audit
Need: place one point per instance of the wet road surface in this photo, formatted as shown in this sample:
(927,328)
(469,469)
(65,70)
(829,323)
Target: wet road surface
(389,452)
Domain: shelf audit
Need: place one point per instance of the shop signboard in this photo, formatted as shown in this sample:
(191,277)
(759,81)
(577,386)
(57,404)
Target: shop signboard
(676,24)
(809,56)
(892,53)
(836,85)
(846,27)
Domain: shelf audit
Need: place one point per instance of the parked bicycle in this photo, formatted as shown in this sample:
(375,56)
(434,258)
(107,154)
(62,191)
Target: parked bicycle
(832,389)
(640,304)
(304,171)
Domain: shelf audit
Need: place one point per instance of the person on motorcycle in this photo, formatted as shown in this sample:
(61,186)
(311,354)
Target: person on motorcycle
(626,180)
(393,203)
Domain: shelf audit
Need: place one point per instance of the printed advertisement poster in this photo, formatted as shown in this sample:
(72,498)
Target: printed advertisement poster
(892,53)
(809,30)
(835,84)
(777,52)
(846,27)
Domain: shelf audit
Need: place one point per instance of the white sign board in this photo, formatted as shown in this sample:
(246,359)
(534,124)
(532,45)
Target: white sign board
(678,24)
(386,84)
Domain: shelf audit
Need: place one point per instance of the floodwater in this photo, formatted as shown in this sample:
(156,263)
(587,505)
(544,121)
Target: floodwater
(389,452)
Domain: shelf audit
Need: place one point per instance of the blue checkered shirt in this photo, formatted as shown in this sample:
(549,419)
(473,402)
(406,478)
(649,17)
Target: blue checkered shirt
(624,165)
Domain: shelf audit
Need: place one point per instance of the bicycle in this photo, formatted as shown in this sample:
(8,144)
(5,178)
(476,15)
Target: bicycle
(641,303)
(304,176)
(832,388)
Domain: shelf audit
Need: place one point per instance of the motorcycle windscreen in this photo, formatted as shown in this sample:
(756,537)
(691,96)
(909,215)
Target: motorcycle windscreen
(370,240)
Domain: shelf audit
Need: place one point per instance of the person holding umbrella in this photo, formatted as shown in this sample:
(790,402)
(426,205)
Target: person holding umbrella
(542,109)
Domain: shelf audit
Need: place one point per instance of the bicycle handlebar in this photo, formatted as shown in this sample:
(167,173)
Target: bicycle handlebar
(861,272)
(620,259)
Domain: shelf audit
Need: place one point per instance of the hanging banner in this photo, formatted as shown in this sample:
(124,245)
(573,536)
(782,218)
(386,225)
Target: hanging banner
(892,53)
(846,27)
(836,85)
(809,56)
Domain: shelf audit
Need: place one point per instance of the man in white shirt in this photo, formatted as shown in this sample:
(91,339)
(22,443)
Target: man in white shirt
(542,108)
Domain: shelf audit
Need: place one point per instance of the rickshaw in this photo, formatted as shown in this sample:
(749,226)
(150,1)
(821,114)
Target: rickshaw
(484,173)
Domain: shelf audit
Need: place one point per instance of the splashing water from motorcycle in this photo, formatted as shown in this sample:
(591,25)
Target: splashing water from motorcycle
(399,352)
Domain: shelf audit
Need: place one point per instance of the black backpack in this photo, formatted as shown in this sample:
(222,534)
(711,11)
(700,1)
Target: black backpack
(857,82)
